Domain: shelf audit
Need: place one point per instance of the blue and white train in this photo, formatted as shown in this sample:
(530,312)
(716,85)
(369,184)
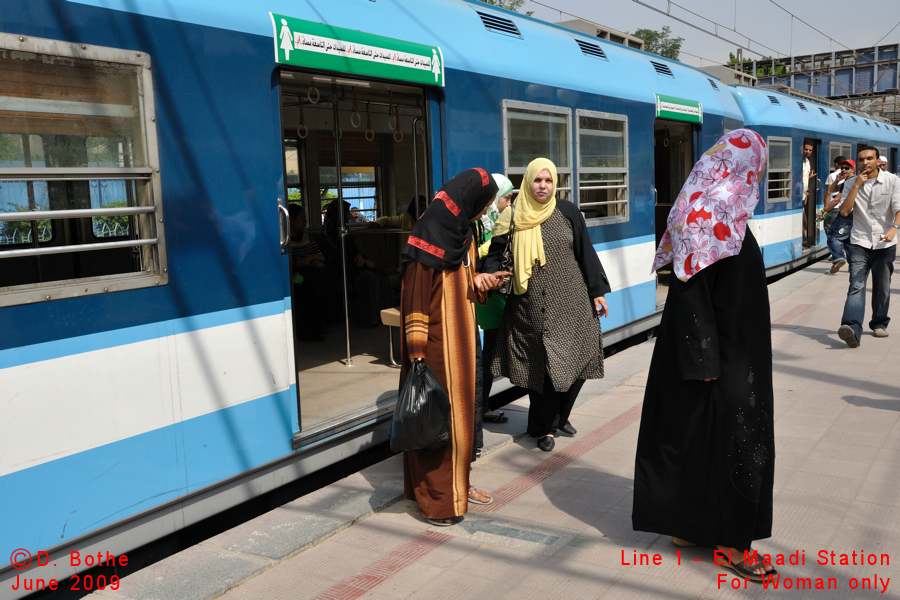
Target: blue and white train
(150,371)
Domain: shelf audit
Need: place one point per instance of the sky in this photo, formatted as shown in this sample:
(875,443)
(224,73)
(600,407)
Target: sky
(847,24)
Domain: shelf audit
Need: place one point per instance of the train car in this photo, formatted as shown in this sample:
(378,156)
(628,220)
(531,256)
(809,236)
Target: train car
(786,123)
(156,371)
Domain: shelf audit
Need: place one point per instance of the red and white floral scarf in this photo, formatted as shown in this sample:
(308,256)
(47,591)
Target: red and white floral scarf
(709,219)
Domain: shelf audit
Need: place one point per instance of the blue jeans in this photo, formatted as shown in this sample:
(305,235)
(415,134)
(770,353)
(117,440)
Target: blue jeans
(881,263)
(834,245)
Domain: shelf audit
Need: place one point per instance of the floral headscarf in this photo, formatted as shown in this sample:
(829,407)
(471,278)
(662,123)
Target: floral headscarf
(709,219)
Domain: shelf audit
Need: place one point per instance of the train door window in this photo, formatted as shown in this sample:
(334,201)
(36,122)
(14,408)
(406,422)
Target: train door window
(363,142)
(602,150)
(533,130)
(79,189)
(673,152)
(778,182)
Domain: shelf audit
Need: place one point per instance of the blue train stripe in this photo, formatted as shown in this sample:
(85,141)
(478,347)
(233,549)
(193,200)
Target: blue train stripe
(15,357)
(70,496)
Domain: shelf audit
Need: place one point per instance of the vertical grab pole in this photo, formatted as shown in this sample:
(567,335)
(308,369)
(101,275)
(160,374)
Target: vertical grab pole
(342,231)
(415,138)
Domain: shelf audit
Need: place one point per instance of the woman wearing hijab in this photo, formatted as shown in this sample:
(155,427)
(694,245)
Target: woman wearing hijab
(549,340)
(488,314)
(705,462)
(439,290)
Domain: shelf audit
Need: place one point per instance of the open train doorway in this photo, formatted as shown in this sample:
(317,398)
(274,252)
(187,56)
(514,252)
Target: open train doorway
(674,155)
(810,228)
(356,158)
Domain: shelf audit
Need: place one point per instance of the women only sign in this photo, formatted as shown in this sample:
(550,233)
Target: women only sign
(793,571)
(319,46)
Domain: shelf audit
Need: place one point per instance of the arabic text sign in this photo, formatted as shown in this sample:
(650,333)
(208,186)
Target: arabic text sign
(309,44)
(678,109)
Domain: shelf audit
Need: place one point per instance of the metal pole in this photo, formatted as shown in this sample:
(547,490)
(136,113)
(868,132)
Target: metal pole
(341,231)
(415,138)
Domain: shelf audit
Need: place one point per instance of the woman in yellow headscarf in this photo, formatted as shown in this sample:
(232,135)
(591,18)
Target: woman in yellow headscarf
(550,339)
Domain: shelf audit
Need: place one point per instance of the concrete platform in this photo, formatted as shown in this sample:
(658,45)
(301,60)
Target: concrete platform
(560,525)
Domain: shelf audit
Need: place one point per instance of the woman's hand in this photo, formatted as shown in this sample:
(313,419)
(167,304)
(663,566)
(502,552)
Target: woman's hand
(486,282)
(600,308)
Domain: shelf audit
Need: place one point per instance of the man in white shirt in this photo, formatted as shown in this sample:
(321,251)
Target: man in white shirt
(874,197)
(808,174)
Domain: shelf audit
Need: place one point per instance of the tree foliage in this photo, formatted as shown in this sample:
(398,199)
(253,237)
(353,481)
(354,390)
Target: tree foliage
(513,5)
(763,68)
(660,42)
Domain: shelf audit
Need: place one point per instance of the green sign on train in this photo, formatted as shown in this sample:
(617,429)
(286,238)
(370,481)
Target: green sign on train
(678,109)
(309,44)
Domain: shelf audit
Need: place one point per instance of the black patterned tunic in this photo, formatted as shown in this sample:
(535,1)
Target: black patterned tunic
(552,328)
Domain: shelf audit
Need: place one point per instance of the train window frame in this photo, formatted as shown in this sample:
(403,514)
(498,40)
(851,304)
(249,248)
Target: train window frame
(581,185)
(788,171)
(145,216)
(836,149)
(565,188)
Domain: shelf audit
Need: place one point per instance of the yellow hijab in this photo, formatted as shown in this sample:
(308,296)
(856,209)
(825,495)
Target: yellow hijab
(528,245)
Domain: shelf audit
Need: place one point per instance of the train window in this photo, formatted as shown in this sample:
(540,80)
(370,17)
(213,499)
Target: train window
(836,149)
(778,186)
(533,130)
(79,188)
(602,149)
(882,151)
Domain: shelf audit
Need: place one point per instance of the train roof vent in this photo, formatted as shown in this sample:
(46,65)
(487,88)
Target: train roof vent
(713,84)
(499,25)
(839,116)
(822,110)
(662,69)
(866,121)
(774,100)
(853,119)
(590,49)
(801,105)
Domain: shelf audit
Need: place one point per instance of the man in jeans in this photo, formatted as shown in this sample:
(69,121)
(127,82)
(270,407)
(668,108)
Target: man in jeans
(833,187)
(875,195)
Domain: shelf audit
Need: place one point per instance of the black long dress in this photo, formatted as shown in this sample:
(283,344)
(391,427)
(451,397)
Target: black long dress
(705,461)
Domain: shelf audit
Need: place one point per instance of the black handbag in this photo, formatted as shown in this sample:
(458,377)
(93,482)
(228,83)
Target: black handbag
(422,415)
(507,262)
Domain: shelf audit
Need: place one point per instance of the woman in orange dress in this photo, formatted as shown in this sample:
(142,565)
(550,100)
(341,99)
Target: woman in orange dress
(437,310)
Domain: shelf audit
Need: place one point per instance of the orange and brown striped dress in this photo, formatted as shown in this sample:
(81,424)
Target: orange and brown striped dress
(438,312)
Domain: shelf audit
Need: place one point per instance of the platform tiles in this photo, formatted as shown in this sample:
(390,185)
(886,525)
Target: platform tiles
(560,525)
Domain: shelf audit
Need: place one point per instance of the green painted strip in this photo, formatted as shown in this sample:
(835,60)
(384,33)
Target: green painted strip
(678,109)
(319,46)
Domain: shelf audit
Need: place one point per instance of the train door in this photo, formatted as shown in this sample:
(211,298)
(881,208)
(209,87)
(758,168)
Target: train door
(892,163)
(674,158)
(356,156)
(810,231)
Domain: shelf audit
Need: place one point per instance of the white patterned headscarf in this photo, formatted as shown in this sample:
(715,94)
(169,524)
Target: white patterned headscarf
(709,219)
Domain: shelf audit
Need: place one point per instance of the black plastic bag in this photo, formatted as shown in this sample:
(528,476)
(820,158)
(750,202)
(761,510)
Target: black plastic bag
(422,415)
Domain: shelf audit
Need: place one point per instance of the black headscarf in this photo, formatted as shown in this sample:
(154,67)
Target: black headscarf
(443,233)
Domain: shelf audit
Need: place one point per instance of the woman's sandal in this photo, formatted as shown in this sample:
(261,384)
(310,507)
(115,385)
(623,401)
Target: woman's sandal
(748,572)
(445,522)
(474,490)
(500,417)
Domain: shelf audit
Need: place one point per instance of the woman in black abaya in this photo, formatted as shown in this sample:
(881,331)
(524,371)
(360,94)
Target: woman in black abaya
(705,462)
